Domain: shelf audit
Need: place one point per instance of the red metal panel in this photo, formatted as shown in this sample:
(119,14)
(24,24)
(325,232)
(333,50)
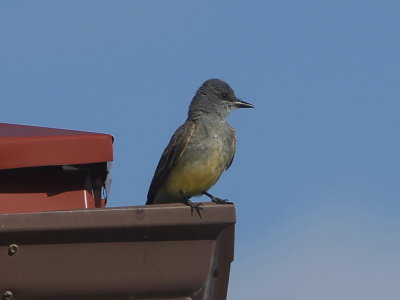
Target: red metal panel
(30,146)
(45,191)
(32,178)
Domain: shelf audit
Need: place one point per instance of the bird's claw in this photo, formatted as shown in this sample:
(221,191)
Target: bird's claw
(194,206)
(220,201)
(216,199)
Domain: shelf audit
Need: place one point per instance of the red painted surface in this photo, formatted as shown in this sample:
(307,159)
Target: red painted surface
(31,176)
(30,146)
(44,191)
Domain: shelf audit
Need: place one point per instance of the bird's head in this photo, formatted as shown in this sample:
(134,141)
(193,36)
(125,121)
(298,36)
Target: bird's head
(215,97)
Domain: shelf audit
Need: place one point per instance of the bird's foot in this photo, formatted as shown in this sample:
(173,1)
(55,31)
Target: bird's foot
(221,201)
(217,200)
(194,206)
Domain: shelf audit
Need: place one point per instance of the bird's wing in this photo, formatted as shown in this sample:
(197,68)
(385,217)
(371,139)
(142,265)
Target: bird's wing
(171,154)
(233,148)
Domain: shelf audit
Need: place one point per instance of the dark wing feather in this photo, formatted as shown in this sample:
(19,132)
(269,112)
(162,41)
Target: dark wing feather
(168,159)
(233,148)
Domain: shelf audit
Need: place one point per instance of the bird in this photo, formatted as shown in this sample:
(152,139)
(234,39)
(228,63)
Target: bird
(200,150)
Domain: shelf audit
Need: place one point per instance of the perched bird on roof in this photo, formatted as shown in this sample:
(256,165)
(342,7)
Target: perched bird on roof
(200,150)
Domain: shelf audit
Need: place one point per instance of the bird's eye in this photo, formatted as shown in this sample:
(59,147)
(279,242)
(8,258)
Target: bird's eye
(224,95)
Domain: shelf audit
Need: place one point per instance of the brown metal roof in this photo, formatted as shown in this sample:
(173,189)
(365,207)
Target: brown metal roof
(31,146)
(144,252)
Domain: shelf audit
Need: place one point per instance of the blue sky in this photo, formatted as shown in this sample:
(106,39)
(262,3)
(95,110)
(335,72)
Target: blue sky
(316,174)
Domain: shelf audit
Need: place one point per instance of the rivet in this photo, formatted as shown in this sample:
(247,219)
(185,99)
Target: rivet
(7,295)
(12,249)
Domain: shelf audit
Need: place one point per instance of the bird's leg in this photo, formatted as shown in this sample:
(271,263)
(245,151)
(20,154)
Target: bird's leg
(192,204)
(217,200)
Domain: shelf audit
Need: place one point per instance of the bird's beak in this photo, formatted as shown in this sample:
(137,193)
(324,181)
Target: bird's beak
(242,104)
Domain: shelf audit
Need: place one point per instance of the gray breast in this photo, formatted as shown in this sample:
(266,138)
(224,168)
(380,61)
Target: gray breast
(210,137)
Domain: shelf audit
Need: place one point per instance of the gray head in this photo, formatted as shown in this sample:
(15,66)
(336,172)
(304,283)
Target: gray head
(215,98)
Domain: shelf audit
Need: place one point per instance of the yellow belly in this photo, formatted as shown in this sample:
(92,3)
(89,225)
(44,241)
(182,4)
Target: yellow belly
(195,178)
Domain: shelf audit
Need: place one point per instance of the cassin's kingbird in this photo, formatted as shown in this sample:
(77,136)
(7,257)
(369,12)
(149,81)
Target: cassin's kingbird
(200,150)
